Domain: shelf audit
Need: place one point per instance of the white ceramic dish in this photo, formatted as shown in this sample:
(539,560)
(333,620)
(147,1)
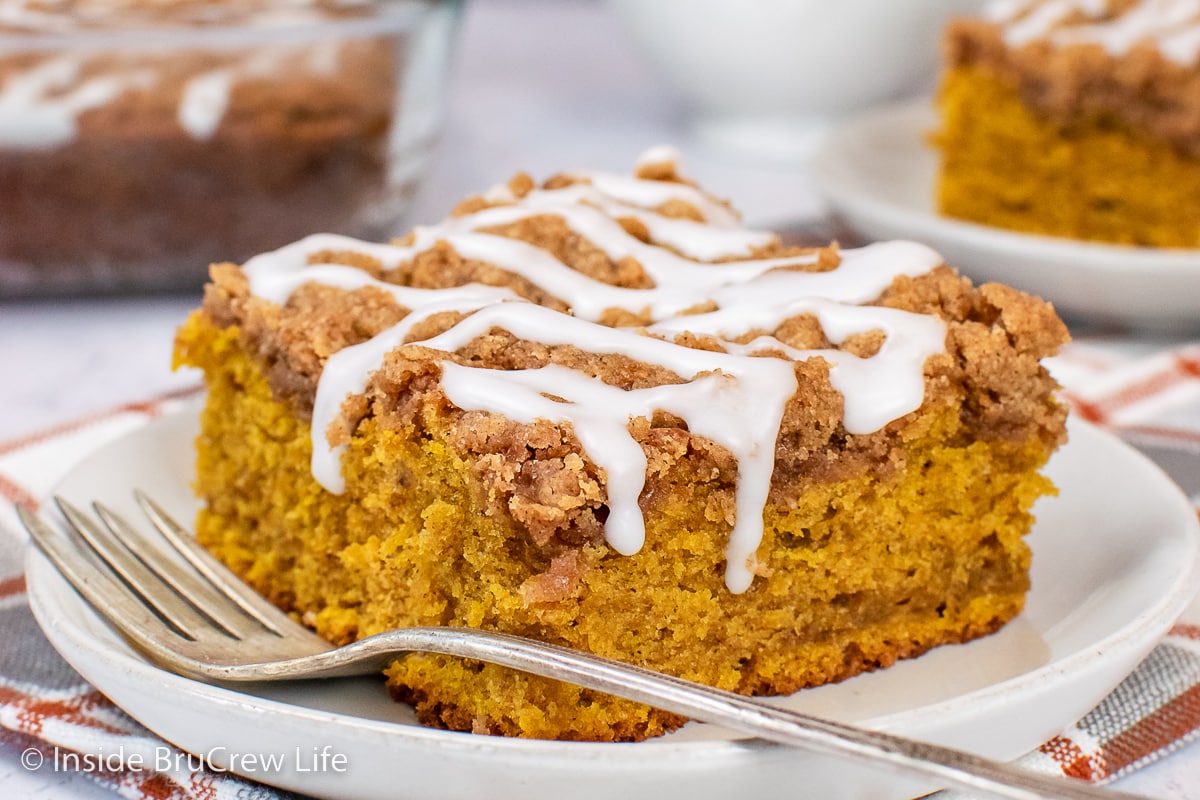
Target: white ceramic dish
(763,77)
(1115,562)
(878,173)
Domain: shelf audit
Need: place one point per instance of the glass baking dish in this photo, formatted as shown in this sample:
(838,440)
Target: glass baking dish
(141,140)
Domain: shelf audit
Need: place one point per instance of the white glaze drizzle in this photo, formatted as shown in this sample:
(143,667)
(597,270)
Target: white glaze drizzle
(1182,46)
(40,108)
(651,194)
(348,371)
(875,390)
(67,16)
(660,155)
(205,97)
(665,268)
(701,241)
(864,273)
(1005,10)
(204,102)
(1029,20)
(680,282)
(1173,26)
(16,15)
(717,387)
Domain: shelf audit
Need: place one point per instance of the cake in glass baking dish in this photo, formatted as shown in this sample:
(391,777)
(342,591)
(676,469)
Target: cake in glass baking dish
(140,140)
(602,413)
(1075,118)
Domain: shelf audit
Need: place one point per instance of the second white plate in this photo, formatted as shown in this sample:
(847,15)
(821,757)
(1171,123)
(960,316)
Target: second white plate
(878,173)
(1114,564)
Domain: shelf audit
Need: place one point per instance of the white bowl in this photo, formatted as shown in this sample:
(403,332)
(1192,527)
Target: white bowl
(763,77)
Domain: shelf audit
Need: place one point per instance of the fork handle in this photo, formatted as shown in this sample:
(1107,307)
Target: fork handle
(948,767)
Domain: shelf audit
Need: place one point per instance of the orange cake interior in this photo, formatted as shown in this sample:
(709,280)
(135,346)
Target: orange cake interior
(1074,119)
(602,413)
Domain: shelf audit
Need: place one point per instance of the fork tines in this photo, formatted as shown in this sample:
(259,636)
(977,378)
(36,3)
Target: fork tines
(160,590)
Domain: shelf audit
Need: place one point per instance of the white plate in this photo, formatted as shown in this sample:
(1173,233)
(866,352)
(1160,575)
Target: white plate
(878,173)
(1114,564)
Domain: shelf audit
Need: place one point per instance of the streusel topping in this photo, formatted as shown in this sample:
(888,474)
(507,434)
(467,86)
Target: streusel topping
(1133,61)
(763,355)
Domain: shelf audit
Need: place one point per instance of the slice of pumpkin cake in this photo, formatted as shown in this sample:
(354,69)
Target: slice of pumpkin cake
(602,413)
(1075,118)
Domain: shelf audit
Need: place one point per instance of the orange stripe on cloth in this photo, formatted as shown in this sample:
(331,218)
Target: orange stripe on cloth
(33,711)
(17,494)
(1167,725)
(142,784)
(12,586)
(151,408)
(147,785)
(1181,369)
(1089,411)
(1189,365)
(1073,761)
(1186,631)
(155,786)
(203,786)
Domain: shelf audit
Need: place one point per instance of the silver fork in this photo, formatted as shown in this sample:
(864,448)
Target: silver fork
(195,618)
